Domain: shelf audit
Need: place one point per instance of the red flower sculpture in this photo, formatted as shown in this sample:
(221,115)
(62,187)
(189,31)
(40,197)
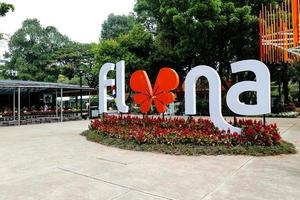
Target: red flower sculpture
(167,80)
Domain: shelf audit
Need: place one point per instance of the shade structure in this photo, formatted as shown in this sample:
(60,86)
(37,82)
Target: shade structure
(17,88)
(36,84)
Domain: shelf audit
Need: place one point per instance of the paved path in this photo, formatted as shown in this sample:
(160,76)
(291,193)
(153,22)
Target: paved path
(52,161)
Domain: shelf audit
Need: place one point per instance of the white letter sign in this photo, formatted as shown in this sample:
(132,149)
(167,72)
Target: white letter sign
(214,96)
(122,107)
(261,86)
(104,82)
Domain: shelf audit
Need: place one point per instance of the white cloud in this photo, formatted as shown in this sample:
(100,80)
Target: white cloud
(78,19)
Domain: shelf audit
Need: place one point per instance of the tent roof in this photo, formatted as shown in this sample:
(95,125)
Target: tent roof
(35,84)
(8,86)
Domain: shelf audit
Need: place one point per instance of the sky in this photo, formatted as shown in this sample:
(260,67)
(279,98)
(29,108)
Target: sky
(79,20)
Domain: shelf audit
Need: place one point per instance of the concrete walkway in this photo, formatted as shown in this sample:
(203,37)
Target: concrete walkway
(52,161)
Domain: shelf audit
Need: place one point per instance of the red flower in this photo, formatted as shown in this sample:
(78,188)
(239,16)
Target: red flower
(250,131)
(181,131)
(276,137)
(186,132)
(140,136)
(235,135)
(95,124)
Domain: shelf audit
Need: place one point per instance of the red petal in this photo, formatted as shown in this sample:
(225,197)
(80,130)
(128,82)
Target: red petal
(166,80)
(160,106)
(139,82)
(140,98)
(166,98)
(146,105)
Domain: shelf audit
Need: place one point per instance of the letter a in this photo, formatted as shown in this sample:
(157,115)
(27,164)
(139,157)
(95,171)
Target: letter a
(261,86)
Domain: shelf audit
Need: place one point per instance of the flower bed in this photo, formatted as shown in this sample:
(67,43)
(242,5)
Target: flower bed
(178,131)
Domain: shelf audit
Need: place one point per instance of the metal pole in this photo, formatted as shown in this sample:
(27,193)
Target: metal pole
(90,104)
(234,119)
(80,93)
(56,108)
(19,106)
(61,104)
(14,104)
(76,102)
(29,105)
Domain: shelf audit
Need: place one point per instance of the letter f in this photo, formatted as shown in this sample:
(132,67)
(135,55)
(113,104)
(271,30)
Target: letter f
(104,82)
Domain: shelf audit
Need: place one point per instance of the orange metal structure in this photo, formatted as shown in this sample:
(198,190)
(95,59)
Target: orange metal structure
(279,32)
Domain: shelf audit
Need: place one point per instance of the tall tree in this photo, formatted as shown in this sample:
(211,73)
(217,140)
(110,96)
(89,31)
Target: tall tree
(43,54)
(124,38)
(31,50)
(116,25)
(212,32)
(4,9)
(73,59)
(135,48)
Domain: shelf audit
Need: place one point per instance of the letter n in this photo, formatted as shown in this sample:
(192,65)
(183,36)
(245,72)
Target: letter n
(214,96)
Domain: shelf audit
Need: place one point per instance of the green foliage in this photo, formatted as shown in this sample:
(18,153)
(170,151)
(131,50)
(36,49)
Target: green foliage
(5,8)
(294,72)
(75,58)
(31,51)
(181,34)
(175,33)
(43,54)
(75,80)
(190,32)
(115,25)
(211,32)
(123,38)
(255,5)
(134,47)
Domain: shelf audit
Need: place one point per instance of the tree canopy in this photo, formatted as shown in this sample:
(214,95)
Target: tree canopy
(176,33)
(133,47)
(210,32)
(115,25)
(43,54)
(5,8)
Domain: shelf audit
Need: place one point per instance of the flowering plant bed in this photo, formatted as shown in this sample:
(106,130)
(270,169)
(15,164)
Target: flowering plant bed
(180,136)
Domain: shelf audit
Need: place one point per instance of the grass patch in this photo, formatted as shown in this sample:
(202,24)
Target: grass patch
(191,149)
